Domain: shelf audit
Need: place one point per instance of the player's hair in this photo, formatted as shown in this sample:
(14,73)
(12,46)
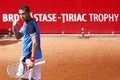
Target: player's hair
(24,7)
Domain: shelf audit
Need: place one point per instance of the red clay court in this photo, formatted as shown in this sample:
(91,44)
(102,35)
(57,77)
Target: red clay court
(69,58)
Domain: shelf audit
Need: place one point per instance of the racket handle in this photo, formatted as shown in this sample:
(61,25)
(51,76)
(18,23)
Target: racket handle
(41,62)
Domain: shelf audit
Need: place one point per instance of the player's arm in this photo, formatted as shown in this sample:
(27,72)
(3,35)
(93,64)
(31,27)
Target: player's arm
(32,32)
(34,46)
(18,34)
(34,51)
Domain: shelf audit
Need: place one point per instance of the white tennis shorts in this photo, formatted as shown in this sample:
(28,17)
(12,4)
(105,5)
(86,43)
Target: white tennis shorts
(35,72)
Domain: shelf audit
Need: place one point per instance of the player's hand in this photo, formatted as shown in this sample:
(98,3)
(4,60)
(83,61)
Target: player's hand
(30,65)
(15,23)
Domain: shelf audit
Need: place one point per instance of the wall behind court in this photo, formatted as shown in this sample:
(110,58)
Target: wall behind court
(67,16)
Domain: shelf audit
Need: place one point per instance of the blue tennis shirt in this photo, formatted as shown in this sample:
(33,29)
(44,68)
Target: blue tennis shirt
(30,29)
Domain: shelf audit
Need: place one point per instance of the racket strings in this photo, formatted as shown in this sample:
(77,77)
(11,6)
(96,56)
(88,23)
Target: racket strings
(12,69)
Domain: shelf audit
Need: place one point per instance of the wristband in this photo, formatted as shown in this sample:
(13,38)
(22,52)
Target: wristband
(32,59)
(15,30)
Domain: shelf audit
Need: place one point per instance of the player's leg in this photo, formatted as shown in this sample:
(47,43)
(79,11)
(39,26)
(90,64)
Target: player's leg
(23,79)
(28,79)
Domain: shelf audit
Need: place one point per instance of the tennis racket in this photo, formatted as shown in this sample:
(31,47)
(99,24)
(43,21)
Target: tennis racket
(18,69)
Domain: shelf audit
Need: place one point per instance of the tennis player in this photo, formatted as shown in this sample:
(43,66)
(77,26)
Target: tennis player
(31,50)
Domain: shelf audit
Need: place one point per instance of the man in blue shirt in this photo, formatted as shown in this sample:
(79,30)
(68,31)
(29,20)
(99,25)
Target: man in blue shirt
(31,50)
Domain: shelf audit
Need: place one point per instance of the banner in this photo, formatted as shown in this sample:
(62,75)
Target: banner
(70,17)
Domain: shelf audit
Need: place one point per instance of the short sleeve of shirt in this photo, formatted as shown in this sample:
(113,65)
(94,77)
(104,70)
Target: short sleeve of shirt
(31,30)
